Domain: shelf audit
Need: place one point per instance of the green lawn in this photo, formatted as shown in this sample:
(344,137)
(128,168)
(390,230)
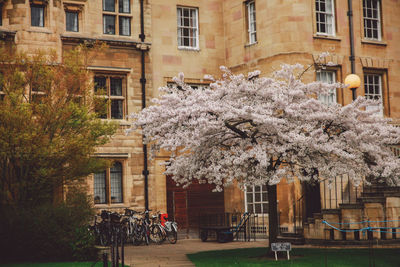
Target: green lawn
(300,257)
(57,264)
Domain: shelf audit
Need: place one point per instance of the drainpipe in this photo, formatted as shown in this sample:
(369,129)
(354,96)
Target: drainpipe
(352,56)
(145,172)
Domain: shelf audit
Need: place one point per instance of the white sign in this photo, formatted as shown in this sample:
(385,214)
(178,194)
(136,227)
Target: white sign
(281,247)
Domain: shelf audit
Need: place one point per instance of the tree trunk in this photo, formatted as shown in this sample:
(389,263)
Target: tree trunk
(272,215)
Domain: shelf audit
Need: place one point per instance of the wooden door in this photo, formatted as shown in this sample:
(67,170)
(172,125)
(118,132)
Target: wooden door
(180,210)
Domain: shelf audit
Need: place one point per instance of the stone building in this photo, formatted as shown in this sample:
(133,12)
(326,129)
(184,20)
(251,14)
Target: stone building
(123,70)
(150,41)
(260,34)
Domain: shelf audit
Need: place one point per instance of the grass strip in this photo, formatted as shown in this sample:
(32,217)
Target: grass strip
(300,257)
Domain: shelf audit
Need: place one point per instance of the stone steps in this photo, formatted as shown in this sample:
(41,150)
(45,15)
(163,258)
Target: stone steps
(294,240)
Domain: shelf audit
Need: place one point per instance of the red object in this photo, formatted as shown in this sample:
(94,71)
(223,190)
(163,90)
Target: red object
(163,218)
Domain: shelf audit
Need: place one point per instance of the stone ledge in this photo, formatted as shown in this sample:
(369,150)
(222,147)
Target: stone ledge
(367,243)
(110,42)
(7,35)
(373,42)
(331,211)
(112,155)
(351,206)
(327,37)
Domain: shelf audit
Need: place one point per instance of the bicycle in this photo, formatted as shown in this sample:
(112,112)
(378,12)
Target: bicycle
(164,230)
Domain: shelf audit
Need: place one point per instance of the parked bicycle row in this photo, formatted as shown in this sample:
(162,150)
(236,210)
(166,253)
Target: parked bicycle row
(133,227)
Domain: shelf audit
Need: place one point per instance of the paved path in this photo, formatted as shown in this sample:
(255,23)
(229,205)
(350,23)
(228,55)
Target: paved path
(172,255)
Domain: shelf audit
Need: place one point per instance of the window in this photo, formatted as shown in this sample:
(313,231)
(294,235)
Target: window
(124,6)
(188,34)
(327,77)
(372,19)
(325,16)
(1,14)
(110,91)
(1,86)
(113,20)
(124,26)
(71,19)
(257,199)
(107,187)
(195,86)
(37,15)
(373,89)
(251,22)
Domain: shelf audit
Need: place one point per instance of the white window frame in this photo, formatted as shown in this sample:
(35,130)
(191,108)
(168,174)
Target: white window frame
(329,17)
(263,189)
(322,76)
(371,94)
(181,27)
(251,21)
(371,19)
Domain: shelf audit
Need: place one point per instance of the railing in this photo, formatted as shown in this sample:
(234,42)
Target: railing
(254,228)
(396,150)
(298,215)
(340,191)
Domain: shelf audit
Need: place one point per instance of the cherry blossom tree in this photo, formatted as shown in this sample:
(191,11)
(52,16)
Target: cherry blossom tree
(256,131)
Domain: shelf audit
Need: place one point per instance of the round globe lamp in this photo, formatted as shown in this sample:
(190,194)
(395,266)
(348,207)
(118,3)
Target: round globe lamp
(353,81)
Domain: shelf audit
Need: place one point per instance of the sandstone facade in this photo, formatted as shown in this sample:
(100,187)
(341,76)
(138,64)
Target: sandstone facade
(286,32)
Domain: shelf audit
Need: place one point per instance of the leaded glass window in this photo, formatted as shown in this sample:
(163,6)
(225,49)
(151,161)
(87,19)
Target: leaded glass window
(108,185)
(100,187)
(117,21)
(110,95)
(71,21)
(116,182)
(37,15)
(125,26)
(124,6)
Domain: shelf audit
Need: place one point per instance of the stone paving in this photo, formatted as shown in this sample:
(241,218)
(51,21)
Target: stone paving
(172,255)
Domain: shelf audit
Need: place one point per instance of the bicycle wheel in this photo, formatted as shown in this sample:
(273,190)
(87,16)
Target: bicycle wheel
(172,236)
(137,235)
(146,234)
(104,239)
(156,234)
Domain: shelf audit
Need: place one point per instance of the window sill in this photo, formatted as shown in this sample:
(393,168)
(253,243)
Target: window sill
(252,44)
(39,30)
(117,35)
(113,205)
(186,48)
(327,37)
(373,42)
(121,122)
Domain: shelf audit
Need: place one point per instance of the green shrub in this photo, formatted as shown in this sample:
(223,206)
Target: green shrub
(48,232)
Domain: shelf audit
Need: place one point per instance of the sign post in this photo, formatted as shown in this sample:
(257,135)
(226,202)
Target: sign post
(281,247)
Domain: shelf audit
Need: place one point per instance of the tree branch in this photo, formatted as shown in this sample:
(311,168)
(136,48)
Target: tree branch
(242,134)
